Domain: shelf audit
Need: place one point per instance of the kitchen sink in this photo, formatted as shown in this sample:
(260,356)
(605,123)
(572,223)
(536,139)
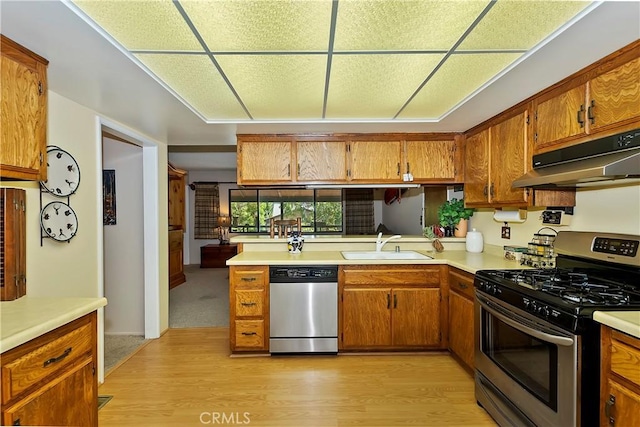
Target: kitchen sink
(383,255)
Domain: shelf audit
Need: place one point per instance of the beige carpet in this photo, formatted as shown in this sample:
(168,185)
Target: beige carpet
(202,301)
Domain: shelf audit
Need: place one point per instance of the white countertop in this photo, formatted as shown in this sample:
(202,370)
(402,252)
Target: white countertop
(491,258)
(27,318)
(624,321)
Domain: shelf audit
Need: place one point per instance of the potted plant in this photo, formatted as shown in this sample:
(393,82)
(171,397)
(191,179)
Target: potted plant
(454,215)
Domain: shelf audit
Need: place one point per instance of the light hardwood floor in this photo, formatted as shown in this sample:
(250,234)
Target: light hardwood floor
(186,378)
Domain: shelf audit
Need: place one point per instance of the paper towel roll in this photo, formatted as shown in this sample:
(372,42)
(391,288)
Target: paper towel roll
(510,216)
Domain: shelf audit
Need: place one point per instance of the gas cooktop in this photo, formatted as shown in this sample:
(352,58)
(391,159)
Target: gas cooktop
(569,288)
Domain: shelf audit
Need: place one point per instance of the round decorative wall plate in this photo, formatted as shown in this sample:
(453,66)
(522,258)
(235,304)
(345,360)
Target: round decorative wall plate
(59,221)
(63,173)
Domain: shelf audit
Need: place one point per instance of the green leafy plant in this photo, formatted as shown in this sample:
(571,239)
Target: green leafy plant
(452,211)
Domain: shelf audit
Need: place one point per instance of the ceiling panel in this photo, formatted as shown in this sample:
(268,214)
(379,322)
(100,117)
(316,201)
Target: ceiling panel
(196,80)
(516,24)
(262,25)
(365,86)
(403,25)
(458,77)
(320,60)
(277,86)
(142,25)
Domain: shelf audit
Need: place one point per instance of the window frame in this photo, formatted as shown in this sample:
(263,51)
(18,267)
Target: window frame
(266,232)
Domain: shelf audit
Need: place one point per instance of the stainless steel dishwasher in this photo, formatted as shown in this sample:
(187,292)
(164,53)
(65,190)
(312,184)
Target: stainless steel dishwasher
(303,305)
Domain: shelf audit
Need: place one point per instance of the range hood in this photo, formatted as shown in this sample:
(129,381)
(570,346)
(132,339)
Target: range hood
(610,158)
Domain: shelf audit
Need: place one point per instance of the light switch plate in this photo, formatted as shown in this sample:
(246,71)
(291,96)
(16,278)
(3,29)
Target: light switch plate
(506,232)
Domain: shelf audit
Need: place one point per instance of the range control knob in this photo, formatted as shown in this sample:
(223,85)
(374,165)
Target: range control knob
(543,310)
(533,307)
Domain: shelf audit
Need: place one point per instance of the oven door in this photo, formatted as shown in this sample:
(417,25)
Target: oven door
(527,369)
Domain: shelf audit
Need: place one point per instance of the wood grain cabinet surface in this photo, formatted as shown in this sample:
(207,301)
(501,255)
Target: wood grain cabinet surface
(390,308)
(264,160)
(461,318)
(23,123)
(620,379)
(51,380)
(249,309)
(176,258)
(602,98)
(13,248)
(321,161)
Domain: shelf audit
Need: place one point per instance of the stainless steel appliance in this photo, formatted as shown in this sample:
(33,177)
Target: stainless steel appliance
(303,309)
(537,346)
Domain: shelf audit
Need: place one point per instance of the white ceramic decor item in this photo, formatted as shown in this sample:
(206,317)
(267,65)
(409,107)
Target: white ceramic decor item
(475,241)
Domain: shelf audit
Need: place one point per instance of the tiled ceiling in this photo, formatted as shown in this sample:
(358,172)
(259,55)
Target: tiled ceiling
(323,60)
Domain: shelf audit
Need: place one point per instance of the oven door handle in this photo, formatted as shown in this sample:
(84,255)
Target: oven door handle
(554,339)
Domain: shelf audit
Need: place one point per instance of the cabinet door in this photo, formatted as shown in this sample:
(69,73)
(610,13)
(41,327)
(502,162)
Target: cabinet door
(264,162)
(69,400)
(176,261)
(176,198)
(416,317)
(23,129)
(508,150)
(376,161)
(561,117)
(625,407)
(461,340)
(366,318)
(476,169)
(322,161)
(615,96)
(431,160)
(13,280)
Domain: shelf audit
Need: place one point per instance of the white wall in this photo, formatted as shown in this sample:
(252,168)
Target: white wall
(405,216)
(205,176)
(124,242)
(614,210)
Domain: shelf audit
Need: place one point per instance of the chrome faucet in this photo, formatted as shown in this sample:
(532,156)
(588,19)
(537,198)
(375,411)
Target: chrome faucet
(380,243)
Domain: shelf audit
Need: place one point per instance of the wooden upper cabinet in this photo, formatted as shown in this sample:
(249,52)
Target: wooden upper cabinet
(602,98)
(561,117)
(508,149)
(23,126)
(375,161)
(431,160)
(265,162)
(476,169)
(321,161)
(615,96)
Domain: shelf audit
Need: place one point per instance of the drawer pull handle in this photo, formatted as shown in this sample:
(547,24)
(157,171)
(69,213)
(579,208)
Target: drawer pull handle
(249,333)
(57,359)
(463,285)
(248,279)
(248,304)
(16,422)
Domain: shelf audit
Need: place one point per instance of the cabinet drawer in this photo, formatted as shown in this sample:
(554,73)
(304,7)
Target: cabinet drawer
(249,302)
(461,282)
(250,333)
(625,361)
(49,359)
(249,276)
(393,276)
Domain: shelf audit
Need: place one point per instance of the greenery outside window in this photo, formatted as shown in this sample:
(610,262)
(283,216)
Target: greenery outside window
(252,209)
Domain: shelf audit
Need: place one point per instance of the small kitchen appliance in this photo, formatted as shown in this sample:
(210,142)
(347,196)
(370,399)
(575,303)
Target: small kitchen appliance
(537,347)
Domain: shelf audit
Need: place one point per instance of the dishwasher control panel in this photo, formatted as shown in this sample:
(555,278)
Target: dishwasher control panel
(315,273)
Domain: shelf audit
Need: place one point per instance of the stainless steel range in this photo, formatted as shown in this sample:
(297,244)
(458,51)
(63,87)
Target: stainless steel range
(537,346)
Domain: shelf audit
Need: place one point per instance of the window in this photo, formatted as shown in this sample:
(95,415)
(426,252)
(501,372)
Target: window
(251,209)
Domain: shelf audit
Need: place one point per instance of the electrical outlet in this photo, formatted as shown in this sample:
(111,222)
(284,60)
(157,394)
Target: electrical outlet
(506,232)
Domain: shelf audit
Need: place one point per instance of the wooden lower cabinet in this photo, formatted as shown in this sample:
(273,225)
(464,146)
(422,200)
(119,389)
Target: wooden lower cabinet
(390,307)
(176,258)
(249,308)
(620,379)
(51,380)
(461,321)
